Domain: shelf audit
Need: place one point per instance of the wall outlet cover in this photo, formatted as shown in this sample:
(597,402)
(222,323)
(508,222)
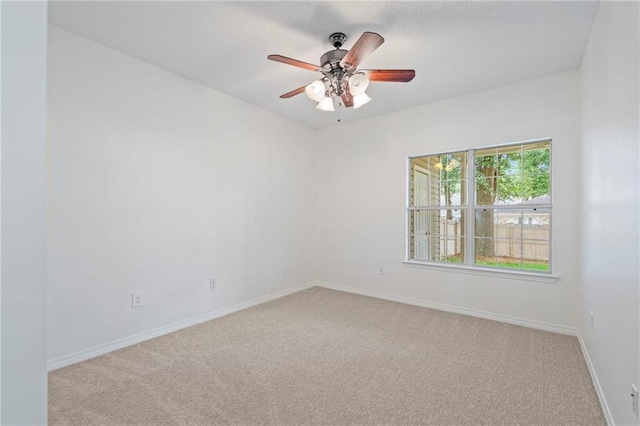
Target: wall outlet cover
(137,300)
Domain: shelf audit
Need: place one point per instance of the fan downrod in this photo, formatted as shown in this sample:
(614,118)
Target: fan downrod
(337,39)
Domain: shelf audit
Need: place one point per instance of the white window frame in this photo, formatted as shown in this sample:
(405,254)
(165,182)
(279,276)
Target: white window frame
(468,266)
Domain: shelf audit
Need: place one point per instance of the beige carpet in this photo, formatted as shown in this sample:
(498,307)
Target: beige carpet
(326,357)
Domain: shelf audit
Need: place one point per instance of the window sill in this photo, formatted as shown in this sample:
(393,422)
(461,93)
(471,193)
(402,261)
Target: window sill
(490,272)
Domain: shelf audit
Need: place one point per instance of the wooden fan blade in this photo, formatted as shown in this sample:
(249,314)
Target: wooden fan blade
(400,76)
(347,100)
(366,44)
(294,62)
(293,92)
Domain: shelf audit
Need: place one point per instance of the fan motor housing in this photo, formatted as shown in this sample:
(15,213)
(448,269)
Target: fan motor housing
(337,39)
(332,58)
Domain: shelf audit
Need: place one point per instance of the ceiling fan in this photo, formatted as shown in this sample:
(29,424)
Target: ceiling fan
(341,80)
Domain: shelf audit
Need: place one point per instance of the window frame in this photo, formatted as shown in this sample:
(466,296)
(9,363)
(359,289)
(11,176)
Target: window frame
(468,264)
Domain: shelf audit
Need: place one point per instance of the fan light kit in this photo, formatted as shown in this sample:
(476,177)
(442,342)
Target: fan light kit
(341,81)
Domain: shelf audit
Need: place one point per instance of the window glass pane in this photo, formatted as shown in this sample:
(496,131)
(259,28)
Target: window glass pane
(487,254)
(536,158)
(486,190)
(437,235)
(424,222)
(511,161)
(510,190)
(513,174)
(485,222)
(420,247)
(487,154)
(453,192)
(439,180)
(508,225)
(535,224)
(451,249)
(424,188)
(486,172)
(535,255)
(512,238)
(537,188)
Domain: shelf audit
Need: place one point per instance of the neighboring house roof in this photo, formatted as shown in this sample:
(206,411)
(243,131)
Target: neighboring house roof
(543,199)
(527,216)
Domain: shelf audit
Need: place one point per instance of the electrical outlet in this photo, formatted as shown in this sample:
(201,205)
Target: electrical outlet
(212,283)
(634,399)
(136,299)
(591,313)
(285,269)
(381,270)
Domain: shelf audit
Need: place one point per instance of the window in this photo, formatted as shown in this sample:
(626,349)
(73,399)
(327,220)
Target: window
(488,207)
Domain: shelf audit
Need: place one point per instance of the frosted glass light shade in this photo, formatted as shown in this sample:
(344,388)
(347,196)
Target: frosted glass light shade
(326,104)
(453,163)
(359,100)
(315,91)
(358,83)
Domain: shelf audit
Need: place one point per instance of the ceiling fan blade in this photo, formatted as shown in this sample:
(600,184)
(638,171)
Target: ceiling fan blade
(293,92)
(366,44)
(294,62)
(400,76)
(347,100)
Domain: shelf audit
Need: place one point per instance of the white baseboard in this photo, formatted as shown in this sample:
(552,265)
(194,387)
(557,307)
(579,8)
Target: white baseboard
(539,325)
(105,348)
(596,382)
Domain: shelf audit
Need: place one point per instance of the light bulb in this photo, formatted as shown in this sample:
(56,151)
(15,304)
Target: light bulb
(358,83)
(359,100)
(315,90)
(326,104)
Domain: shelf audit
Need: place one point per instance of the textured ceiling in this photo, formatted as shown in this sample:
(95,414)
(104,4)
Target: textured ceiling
(455,47)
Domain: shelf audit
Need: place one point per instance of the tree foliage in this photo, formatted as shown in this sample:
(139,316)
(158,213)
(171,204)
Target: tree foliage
(500,178)
(512,177)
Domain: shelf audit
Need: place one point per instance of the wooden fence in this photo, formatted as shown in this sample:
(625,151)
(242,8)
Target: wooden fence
(529,242)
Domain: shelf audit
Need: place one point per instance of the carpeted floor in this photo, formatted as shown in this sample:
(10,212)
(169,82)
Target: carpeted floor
(327,357)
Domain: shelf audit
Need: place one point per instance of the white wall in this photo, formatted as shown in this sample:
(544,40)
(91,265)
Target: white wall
(610,254)
(361,178)
(156,184)
(22,213)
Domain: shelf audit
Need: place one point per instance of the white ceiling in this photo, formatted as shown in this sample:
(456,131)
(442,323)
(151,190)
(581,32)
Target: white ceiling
(455,47)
